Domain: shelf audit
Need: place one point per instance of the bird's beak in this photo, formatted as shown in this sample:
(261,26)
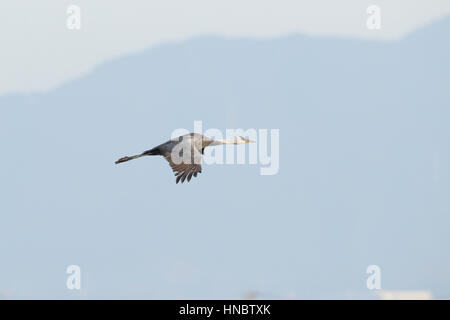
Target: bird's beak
(246,140)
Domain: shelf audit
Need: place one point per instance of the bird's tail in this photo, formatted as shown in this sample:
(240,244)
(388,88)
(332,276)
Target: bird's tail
(151,152)
(129,158)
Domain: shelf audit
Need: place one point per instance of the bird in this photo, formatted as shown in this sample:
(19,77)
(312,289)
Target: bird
(184,153)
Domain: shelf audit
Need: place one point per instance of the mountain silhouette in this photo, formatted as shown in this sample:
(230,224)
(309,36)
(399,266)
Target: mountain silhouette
(364,175)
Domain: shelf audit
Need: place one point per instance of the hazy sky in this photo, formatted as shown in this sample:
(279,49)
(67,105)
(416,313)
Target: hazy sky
(364,148)
(39,52)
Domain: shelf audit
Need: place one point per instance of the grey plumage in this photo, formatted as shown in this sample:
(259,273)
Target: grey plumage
(173,151)
(184,153)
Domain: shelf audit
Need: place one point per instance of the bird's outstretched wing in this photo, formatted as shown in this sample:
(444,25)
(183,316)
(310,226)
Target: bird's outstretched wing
(183,170)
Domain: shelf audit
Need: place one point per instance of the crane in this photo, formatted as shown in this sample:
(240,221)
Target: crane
(184,153)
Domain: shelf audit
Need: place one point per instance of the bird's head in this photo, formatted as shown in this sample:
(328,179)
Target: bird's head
(242,140)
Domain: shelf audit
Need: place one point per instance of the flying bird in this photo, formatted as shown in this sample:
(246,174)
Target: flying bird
(184,153)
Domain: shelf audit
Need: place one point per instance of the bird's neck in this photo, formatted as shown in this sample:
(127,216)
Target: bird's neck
(223,141)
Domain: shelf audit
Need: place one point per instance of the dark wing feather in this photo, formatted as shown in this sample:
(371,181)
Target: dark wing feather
(183,170)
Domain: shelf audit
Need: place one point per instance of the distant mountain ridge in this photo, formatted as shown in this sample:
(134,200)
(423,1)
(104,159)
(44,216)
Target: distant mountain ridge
(364,175)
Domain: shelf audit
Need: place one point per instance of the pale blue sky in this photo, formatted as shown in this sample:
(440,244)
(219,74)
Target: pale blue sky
(364,175)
